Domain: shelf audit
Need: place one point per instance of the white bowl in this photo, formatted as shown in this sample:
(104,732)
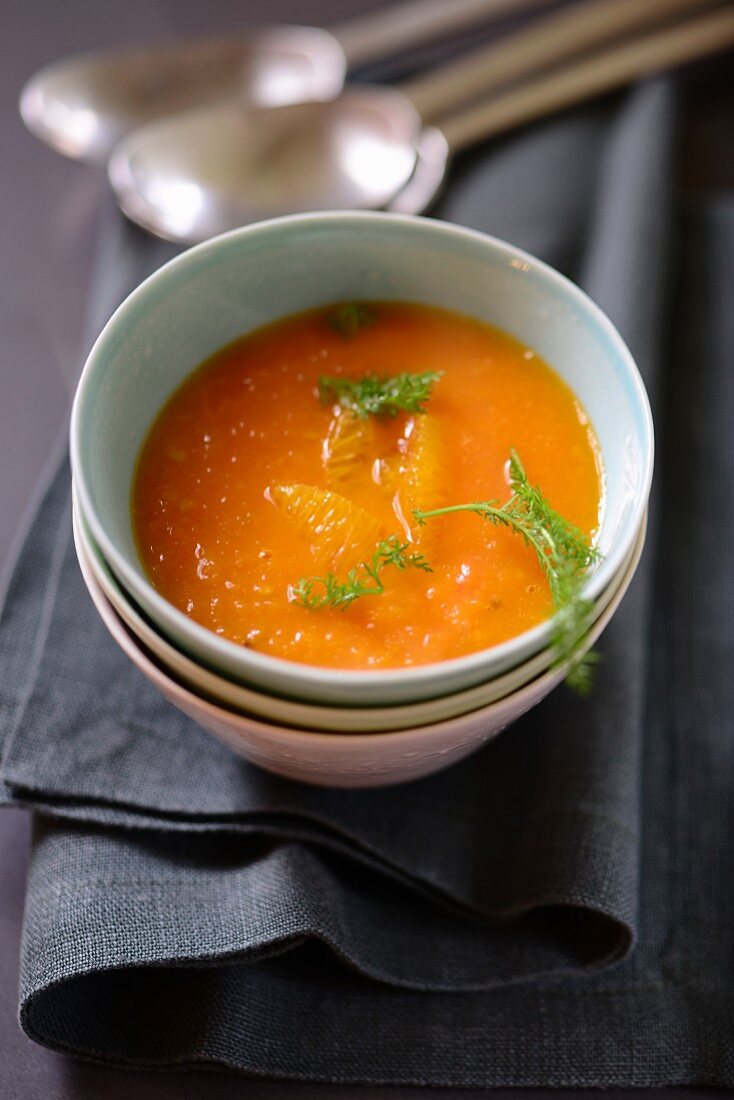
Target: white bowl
(288,712)
(213,293)
(332,759)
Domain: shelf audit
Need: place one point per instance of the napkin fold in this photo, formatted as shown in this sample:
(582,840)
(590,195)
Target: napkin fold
(554,910)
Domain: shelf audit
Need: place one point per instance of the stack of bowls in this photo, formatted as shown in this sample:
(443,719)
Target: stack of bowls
(327,726)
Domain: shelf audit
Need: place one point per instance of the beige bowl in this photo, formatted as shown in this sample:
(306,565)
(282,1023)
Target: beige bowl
(289,712)
(342,760)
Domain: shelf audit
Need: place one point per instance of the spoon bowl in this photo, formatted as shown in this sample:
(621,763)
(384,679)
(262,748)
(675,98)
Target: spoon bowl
(83,106)
(193,176)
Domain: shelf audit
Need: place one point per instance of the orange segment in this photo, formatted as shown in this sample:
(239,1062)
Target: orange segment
(422,481)
(347,446)
(337,529)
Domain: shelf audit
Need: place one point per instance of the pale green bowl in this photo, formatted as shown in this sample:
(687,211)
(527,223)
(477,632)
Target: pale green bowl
(217,291)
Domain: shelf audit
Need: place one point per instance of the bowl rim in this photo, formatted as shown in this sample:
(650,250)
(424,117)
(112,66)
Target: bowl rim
(228,653)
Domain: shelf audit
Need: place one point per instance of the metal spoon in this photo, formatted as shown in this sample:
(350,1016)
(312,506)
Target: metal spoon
(83,106)
(202,172)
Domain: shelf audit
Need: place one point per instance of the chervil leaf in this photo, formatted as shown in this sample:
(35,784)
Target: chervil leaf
(349,318)
(365,580)
(375,395)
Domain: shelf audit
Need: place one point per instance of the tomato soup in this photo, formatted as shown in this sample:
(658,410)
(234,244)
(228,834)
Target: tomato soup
(250,481)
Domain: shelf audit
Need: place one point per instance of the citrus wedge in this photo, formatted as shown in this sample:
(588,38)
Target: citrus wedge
(338,530)
(347,447)
(422,478)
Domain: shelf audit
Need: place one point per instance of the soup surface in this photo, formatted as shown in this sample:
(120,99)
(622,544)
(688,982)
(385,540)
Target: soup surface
(248,482)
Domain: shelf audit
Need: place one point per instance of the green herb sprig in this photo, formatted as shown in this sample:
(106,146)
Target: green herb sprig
(375,395)
(564,555)
(317,592)
(349,318)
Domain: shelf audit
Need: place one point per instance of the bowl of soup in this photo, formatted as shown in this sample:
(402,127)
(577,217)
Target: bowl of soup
(276,436)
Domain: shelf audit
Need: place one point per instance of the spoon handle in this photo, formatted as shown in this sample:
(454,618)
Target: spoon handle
(413,22)
(544,43)
(695,38)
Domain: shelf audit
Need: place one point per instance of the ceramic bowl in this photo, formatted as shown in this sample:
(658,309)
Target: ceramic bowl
(234,283)
(288,712)
(341,760)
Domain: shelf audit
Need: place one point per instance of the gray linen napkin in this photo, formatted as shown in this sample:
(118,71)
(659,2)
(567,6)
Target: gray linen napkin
(184,908)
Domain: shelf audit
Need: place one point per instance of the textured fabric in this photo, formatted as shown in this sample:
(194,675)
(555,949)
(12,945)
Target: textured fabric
(557,909)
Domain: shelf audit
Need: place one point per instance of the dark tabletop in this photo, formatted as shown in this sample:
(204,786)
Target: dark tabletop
(49,218)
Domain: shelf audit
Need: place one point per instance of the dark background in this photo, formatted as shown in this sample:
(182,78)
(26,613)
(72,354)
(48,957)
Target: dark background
(49,215)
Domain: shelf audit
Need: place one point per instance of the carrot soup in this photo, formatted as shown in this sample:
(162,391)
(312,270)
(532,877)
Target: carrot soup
(276,493)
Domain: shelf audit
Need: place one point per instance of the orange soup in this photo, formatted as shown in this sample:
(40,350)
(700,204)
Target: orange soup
(251,479)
